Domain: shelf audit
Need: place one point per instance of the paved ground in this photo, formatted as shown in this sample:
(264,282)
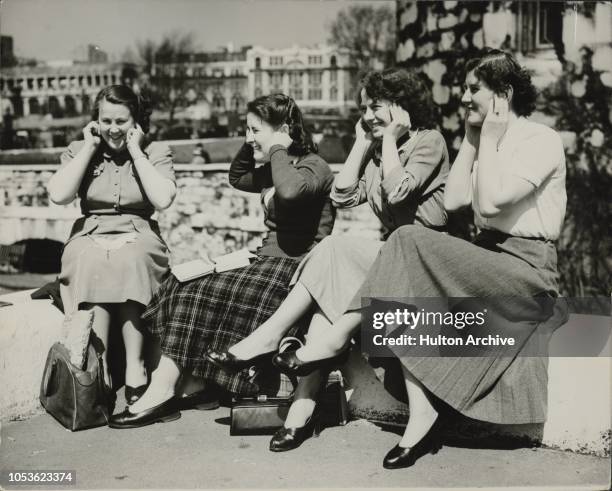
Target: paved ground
(197,452)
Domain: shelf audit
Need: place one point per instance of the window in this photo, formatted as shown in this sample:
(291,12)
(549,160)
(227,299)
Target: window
(333,94)
(276,60)
(315,94)
(315,78)
(333,62)
(295,93)
(315,60)
(276,81)
(540,25)
(257,63)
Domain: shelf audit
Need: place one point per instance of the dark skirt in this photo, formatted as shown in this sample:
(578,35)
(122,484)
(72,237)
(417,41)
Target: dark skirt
(501,386)
(216,312)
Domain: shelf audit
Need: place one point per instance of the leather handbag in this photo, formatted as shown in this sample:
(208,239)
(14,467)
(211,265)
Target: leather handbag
(264,414)
(260,415)
(77,397)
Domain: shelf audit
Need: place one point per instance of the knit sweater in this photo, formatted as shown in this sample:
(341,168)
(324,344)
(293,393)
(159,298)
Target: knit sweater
(295,197)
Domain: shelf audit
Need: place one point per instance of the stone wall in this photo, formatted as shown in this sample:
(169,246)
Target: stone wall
(207,217)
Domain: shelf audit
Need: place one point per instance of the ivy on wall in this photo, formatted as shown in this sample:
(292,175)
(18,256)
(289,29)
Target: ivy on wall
(581,104)
(438,38)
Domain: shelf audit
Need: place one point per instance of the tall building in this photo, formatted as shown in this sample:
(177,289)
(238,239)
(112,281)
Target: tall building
(7,56)
(320,79)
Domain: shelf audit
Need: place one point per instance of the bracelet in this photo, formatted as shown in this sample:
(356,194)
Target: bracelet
(142,157)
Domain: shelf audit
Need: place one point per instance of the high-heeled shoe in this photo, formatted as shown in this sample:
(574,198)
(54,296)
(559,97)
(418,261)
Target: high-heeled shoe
(132,394)
(402,457)
(289,438)
(162,413)
(230,363)
(289,363)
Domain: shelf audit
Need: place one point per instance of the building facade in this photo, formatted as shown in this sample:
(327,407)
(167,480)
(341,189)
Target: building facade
(320,79)
(215,81)
(61,89)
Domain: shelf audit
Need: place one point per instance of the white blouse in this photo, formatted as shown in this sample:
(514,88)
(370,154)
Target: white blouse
(534,152)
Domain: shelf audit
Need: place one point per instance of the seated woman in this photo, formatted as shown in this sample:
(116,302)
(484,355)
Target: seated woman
(115,257)
(398,164)
(512,173)
(220,309)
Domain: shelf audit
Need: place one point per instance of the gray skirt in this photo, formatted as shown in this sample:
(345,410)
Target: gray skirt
(112,270)
(334,270)
(502,386)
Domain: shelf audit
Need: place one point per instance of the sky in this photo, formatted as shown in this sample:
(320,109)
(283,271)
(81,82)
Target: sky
(61,29)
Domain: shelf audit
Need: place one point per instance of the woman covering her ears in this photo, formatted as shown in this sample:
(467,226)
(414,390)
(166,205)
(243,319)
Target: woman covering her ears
(115,257)
(220,309)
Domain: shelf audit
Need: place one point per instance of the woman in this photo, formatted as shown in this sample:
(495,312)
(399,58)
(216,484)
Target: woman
(115,257)
(398,164)
(512,172)
(219,310)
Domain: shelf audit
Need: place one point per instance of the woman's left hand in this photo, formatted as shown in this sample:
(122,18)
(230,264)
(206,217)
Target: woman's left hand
(135,137)
(496,121)
(400,121)
(280,138)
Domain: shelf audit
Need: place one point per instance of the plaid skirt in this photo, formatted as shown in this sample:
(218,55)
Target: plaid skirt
(217,311)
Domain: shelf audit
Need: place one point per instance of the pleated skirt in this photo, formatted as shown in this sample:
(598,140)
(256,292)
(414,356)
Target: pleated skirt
(501,385)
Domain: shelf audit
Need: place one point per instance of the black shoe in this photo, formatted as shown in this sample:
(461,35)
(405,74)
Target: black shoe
(228,362)
(132,394)
(289,438)
(204,400)
(401,457)
(289,363)
(162,413)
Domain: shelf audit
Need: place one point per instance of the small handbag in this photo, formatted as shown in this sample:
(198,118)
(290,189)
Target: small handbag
(264,414)
(260,415)
(77,397)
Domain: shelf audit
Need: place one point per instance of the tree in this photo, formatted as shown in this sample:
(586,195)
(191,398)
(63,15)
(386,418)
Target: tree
(164,78)
(368,31)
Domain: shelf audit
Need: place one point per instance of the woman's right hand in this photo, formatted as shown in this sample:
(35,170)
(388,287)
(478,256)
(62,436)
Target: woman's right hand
(361,134)
(91,133)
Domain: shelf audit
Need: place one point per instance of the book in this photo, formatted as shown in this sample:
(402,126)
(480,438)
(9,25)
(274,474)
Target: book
(201,267)
(233,260)
(192,269)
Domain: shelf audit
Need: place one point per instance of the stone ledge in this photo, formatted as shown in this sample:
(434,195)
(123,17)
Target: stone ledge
(578,417)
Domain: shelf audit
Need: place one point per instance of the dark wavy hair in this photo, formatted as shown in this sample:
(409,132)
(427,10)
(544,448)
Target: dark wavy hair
(407,89)
(500,71)
(279,109)
(122,94)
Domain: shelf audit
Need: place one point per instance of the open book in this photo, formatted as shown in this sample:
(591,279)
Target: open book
(201,267)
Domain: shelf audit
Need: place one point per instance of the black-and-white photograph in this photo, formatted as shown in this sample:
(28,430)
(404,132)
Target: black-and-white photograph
(305,244)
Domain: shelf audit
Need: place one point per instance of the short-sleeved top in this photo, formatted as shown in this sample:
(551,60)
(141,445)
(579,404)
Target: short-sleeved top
(295,197)
(412,193)
(111,185)
(534,152)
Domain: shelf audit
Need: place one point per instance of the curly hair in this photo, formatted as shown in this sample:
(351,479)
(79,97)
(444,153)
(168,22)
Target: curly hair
(500,71)
(279,109)
(407,89)
(122,94)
